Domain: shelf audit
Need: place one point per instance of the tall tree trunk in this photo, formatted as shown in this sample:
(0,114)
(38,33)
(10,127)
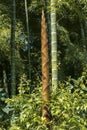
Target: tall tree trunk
(27,26)
(13,76)
(45,68)
(47,4)
(54,47)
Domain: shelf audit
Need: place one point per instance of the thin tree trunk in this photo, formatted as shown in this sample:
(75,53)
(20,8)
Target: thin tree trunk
(47,4)
(45,69)
(13,77)
(54,47)
(5,82)
(48,20)
(86,32)
(27,26)
(83,35)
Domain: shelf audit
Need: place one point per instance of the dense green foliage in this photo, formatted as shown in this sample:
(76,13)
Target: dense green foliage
(71,45)
(3,115)
(68,106)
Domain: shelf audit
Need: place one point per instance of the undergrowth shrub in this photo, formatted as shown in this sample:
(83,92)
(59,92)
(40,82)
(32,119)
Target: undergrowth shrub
(69,104)
(3,114)
(68,107)
(26,108)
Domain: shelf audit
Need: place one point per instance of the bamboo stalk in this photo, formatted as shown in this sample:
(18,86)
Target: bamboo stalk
(13,24)
(54,47)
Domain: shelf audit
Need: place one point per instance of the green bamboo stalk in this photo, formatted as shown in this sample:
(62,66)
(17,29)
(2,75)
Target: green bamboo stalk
(86,32)
(5,83)
(27,26)
(47,4)
(13,76)
(83,35)
(54,47)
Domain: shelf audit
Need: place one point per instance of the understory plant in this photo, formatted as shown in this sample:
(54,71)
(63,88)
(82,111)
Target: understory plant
(68,107)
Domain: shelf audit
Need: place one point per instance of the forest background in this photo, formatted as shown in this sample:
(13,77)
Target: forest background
(68,105)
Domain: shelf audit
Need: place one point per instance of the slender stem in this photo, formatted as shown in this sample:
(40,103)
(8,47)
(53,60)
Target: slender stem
(54,47)
(13,76)
(27,25)
(83,35)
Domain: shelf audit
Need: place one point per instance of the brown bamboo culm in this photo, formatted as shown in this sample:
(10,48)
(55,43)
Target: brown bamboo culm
(45,69)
